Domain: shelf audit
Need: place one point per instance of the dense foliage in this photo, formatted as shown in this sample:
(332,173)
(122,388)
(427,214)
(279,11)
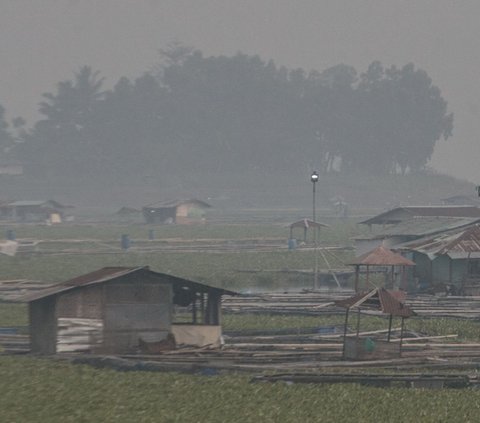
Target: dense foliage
(203,116)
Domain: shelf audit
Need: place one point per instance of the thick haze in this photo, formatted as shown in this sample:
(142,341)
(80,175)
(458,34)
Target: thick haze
(44,41)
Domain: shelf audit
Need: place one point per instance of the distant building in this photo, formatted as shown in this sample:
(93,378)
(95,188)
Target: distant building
(451,258)
(461,200)
(33,211)
(400,214)
(117,310)
(403,224)
(176,211)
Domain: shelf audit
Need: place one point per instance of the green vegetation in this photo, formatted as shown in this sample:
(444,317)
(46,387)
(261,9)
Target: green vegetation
(225,270)
(39,390)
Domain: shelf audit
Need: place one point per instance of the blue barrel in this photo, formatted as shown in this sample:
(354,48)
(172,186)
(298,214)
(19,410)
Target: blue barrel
(11,235)
(125,242)
(292,243)
(151,234)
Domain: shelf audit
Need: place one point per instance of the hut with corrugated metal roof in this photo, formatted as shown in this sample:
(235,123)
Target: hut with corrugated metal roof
(449,260)
(378,301)
(124,310)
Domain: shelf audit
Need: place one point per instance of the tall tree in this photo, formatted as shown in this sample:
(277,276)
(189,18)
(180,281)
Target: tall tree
(62,142)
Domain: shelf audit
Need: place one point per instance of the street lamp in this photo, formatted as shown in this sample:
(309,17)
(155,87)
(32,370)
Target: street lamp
(314,179)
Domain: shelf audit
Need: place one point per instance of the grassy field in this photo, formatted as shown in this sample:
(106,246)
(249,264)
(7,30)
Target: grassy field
(42,390)
(39,390)
(224,269)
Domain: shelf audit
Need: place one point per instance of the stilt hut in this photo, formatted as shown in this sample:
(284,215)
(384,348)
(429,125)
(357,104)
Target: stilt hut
(381,258)
(379,301)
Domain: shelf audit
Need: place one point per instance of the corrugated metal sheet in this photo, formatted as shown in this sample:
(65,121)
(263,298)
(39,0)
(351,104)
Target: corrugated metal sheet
(382,256)
(379,299)
(459,244)
(422,226)
(108,273)
(401,213)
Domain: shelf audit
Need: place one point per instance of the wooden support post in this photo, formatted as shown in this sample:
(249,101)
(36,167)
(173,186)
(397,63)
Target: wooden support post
(389,327)
(202,307)
(358,322)
(194,310)
(357,271)
(401,336)
(367,280)
(345,333)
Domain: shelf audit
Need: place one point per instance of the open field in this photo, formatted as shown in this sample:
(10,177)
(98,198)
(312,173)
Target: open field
(232,256)
(38,390)
(35,389)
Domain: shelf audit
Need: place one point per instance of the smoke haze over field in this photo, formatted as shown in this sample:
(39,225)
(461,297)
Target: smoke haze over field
(44,41)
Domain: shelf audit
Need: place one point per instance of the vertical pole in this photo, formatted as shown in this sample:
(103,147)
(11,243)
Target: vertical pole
(314,179)
(367,281)
(194,310)
(401,335)
(357,275)
(389,327)
(315,272)
(345,334)
(202,307)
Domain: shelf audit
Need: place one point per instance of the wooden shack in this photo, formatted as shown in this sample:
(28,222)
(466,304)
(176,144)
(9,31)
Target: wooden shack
(305,225)
(34,211)
(121,310)
(176,211)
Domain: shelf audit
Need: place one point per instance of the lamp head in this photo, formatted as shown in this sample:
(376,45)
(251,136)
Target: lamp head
(314,177)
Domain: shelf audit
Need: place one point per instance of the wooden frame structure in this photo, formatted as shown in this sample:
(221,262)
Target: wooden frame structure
(384,302)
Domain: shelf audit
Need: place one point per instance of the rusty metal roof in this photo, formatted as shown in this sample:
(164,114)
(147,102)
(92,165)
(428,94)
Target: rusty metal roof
(109,273)
(382,256)
(399,214)
(456,244)
(307,223)
(379,299)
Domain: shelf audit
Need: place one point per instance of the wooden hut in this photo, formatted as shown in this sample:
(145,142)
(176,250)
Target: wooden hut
(121,309)
(305,225)
(387,261)
(176,211)
(379,300)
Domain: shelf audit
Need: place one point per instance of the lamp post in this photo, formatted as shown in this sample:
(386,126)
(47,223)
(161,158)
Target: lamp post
(477,188)
(314,179)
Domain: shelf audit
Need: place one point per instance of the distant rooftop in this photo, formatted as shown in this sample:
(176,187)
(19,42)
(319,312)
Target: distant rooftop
(399,214)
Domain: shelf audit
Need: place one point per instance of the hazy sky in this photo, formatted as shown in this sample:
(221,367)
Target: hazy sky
(45,41)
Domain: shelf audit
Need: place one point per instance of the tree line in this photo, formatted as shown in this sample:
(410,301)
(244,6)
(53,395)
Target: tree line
(232,114)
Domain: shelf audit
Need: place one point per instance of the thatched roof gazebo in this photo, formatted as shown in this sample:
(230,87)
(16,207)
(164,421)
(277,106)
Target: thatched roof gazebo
(381,301)
(381,257)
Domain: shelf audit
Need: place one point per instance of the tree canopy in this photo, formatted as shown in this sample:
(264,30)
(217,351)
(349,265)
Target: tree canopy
(209,115)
